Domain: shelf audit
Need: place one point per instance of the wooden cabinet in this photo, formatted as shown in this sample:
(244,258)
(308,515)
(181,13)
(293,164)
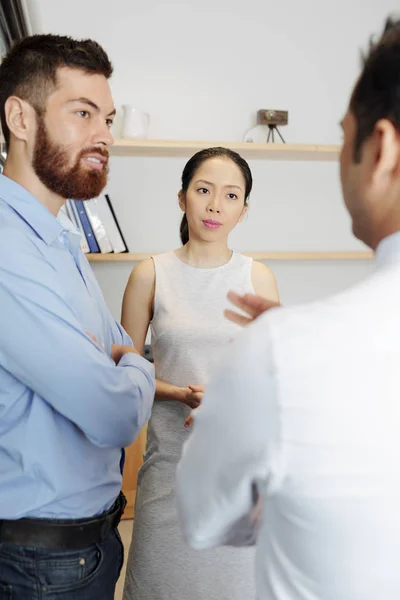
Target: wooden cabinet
(133,462)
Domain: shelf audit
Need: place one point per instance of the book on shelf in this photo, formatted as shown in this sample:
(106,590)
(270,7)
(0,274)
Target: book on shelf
(109,218)
(74,218)
(100,233)
(87,228)
(98,225)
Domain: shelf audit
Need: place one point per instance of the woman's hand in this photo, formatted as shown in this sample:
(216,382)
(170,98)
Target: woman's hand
(192,395)
(189,420)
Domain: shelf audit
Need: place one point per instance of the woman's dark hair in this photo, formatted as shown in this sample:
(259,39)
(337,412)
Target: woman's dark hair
(196,161)
(377,92)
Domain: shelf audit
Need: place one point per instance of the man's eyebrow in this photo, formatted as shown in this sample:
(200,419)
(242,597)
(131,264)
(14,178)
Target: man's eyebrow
(93,105)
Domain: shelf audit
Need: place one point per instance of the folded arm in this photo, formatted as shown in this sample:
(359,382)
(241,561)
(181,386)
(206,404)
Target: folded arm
(44,346)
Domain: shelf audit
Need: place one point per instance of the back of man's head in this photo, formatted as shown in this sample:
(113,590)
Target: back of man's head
(377,92)
(29,70)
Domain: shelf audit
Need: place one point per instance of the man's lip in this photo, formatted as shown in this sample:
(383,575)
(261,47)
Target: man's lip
(100,157)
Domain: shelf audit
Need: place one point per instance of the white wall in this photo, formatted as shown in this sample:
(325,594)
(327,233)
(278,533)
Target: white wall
(202,70)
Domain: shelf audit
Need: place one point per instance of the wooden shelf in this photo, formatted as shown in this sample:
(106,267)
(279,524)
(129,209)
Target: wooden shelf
(134,147)
(361,255)
(122,257)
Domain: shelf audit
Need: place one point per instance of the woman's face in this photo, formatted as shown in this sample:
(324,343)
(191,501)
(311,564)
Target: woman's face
(214,201)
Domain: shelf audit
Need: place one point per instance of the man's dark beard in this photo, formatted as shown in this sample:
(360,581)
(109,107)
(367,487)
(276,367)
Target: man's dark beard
(51,164)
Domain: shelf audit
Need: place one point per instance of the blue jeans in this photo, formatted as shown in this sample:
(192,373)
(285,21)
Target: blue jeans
(50,574)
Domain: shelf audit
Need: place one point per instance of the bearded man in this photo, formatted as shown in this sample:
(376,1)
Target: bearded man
(73,390)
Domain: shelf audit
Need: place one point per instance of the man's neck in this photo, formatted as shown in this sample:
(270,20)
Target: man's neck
(24,175)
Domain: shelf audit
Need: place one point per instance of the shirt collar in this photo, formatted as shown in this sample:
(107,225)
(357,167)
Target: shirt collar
(70,236)
(388,250)
(29,208)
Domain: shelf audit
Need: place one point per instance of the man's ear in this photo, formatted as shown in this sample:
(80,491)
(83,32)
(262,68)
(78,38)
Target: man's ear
(386,146)
(20,118)
(182,200)
(380,163)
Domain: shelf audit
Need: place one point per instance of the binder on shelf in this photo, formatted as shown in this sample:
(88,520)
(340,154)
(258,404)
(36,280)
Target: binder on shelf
(107,216)
(102,238)
(109,203)
(73,212)
(87,228)
(67,210)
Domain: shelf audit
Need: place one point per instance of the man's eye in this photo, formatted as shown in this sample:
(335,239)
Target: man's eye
(84,114)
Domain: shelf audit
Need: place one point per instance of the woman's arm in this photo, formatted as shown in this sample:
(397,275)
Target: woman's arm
(266,297)
(264,282)
(137,312)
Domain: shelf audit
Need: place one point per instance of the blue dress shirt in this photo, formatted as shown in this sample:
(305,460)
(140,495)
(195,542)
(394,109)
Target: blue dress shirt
(66,409)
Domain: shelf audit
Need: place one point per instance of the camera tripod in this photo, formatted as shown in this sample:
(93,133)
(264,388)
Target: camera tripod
(272,129)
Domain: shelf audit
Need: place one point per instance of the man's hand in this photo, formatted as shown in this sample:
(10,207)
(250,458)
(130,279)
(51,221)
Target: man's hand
(193,395)
(117,352)
(253,305)
(94,340)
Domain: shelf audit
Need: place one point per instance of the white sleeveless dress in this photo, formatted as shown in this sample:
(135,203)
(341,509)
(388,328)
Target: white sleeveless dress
(188,332)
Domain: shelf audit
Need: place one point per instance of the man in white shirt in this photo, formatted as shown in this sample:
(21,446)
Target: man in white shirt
(302,418)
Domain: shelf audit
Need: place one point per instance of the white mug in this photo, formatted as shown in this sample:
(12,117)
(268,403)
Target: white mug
(135,122)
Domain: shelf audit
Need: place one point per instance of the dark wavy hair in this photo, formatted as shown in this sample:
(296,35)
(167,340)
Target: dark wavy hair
(196,161)
(377,92)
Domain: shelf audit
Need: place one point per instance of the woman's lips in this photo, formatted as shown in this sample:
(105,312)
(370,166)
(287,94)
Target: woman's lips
(210,224)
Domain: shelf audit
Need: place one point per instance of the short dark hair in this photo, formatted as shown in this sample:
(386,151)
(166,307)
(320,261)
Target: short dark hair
(377,92)
(196,161)
(29,70)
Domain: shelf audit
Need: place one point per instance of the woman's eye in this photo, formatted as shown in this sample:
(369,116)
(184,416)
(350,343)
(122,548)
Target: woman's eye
(203,190)
(232,196)
(83,113)
(109,123)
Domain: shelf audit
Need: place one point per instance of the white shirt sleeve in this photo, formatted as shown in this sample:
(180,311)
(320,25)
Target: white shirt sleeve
(230,452)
